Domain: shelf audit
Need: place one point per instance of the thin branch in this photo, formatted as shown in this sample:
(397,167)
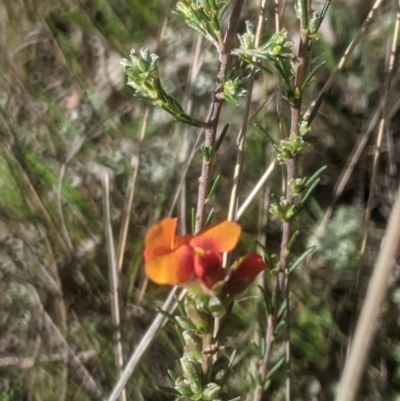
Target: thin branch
(211,131)
(269,339)
(283,276)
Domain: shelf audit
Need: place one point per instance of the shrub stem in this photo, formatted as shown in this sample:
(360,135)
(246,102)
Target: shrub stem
(283,277)
(211,130)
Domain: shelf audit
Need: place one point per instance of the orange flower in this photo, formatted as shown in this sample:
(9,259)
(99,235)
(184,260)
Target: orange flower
(248,267)
(242,273)
(173,259)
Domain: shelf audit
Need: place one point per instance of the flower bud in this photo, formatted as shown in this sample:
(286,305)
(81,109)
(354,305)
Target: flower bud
(183,386)
(191,368)
(211,391)
(314,22)
(185,323)
(193,345)
(199,319)
(216,307)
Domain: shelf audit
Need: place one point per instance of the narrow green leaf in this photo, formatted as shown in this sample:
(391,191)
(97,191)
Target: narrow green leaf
(172,375)
(180,306)
(279,326)
(309,191)
(267,385)
(193,220)
(168,390)
(232,358)
(221,11)
(292,240)
(301,258)
(167,315)
(267,256)
(282,309)
(209,217)
(221,137)
(213,188)
(266,301)
(258,66)
(276,367)
(324,11)
(264,131)
(316,175)
(311,75)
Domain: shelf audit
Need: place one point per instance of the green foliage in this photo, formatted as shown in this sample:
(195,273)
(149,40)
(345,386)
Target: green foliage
(11,200)
(143,76)
(204,17)
(339,245)
(309,335)
(288,148)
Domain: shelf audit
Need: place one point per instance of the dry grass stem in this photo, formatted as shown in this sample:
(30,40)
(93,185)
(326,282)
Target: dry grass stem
(232,211)
(87,380)
(313,108)
(129,199)
(367,322)
(159,321)
(185,157)
(346,173)
(35,198)
(28,363)
(261,182)
(113,278)
(135,169)
(381,131)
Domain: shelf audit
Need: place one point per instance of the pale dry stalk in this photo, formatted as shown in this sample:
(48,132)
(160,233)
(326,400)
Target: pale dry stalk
(113,278)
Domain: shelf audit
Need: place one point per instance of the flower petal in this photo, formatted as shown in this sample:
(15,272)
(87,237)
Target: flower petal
(219,237)
(248,267)
(208,267)
(160,237)
(181,239)
(175,267)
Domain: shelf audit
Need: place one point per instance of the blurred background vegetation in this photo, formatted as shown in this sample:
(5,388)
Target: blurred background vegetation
(67,118)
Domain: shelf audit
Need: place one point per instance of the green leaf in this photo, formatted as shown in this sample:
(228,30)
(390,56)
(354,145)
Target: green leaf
(193,220)
(301,258)
(311,75)
(266,301)
(168,390)
(209,217)
(213,188)
(309,191)
(172,375)
(221,137)
(276,367)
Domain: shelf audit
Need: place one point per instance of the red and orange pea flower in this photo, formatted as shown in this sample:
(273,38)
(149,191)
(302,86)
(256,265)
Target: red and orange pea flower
(174,259)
